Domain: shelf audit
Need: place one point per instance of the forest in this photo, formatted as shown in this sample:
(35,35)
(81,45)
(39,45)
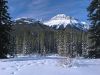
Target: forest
(37,38)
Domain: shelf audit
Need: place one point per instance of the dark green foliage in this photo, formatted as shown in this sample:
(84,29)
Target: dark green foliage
(33,38)
(94,17)
(94,54)
(40,39)
(71,42)
(5,29)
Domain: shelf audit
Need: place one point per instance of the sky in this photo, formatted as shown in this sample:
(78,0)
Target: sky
(46,9)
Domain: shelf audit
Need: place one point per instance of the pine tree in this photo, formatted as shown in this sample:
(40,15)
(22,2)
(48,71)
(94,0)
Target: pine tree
(5,29)
(94,17)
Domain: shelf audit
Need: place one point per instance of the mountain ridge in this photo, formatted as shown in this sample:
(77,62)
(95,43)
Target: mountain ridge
(59,21)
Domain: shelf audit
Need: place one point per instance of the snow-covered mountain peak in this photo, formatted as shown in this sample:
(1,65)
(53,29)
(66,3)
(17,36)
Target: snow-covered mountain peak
(61,20)
(60,17)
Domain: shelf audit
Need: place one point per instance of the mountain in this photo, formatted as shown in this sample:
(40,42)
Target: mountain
(26,20)
(62,21)
(29,23)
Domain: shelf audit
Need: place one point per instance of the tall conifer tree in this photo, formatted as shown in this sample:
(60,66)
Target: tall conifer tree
(5,29)
(94,17)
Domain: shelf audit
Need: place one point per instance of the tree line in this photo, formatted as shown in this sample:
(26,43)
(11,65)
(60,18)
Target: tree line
(37,38)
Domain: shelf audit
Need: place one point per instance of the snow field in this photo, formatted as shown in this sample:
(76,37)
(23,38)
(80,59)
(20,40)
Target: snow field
(50,65)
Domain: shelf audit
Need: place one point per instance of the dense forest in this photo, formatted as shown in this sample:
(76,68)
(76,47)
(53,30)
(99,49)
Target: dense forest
(37,38)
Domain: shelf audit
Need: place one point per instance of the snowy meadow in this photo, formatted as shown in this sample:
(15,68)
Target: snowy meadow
(49,65)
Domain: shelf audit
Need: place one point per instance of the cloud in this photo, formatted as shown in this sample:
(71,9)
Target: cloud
(37,2)
(48,8)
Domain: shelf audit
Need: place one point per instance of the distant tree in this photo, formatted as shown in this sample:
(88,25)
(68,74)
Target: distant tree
(5,29)
(94,17)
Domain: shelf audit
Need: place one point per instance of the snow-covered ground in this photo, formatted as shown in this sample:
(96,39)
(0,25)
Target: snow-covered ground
(51,65)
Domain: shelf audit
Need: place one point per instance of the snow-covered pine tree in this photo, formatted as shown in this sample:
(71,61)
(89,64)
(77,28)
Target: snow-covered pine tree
(94,17)
(5,28)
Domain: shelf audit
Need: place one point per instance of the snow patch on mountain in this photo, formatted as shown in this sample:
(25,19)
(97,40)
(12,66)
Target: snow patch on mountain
(86,26)
(26,20)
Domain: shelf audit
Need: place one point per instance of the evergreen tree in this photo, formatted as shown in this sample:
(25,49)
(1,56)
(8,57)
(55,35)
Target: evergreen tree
(5,29)
(94,17)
